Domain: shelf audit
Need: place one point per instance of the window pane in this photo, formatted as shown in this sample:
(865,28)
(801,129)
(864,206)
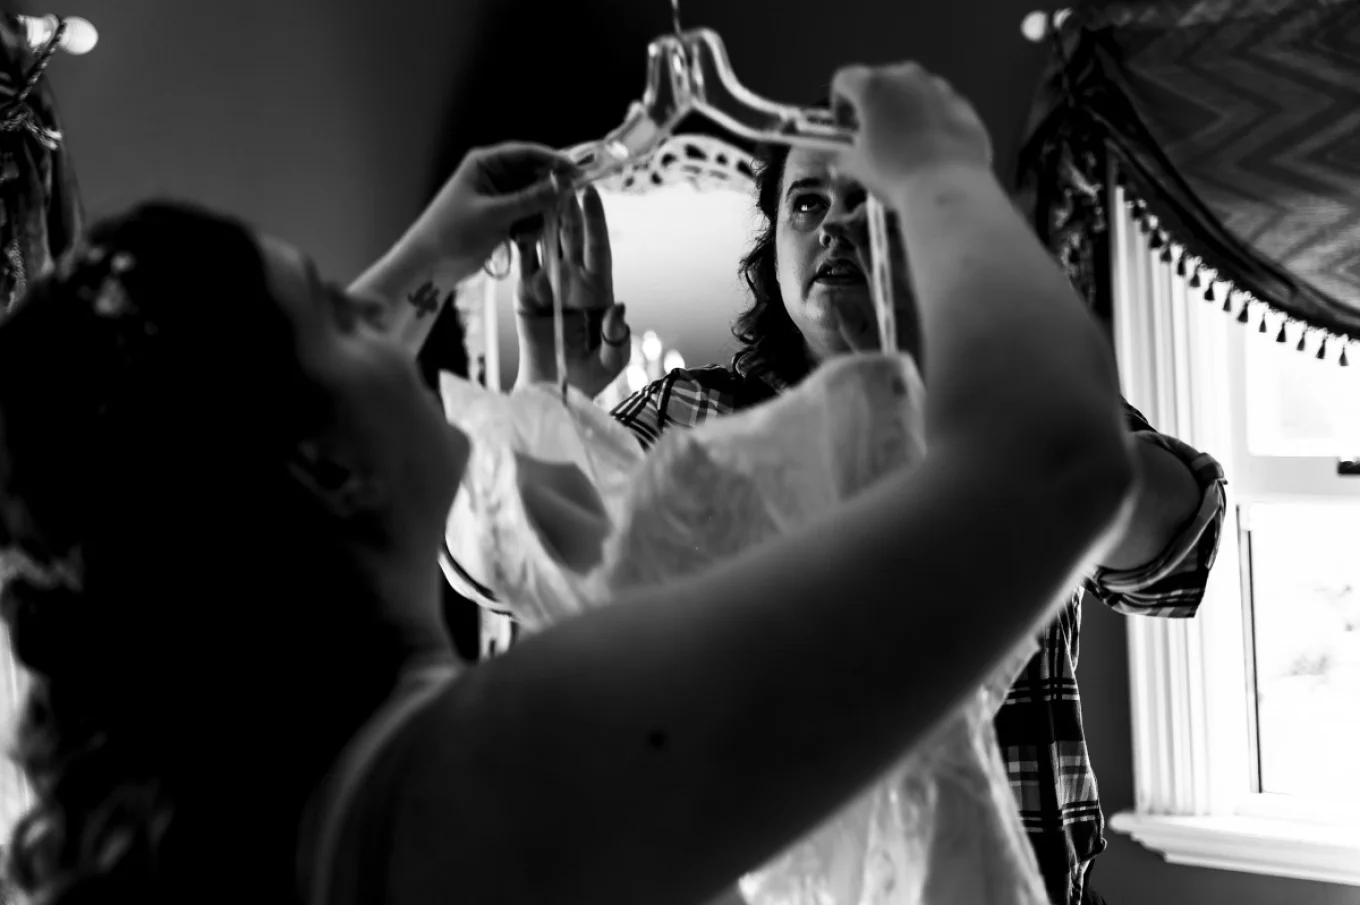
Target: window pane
(1297,405)
(1305,585)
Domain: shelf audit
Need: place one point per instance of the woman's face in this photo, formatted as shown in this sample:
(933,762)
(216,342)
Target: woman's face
(388,425)
(822,257)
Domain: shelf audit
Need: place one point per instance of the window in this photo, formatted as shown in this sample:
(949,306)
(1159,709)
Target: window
(1247,718)
(1300,576)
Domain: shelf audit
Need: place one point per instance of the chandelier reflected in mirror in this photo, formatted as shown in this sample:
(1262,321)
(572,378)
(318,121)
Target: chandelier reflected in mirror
(649,360)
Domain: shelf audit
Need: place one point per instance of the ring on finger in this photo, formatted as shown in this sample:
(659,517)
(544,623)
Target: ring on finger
(621,341)
(501,261)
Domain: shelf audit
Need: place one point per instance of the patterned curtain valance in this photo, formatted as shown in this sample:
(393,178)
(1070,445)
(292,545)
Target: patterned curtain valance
(1236,126)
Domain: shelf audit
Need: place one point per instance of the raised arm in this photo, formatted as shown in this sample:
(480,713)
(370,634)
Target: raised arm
(413,286)
(495,193)
(656,749)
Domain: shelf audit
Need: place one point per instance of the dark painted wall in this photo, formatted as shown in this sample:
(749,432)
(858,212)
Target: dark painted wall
(320,120)
(329,122)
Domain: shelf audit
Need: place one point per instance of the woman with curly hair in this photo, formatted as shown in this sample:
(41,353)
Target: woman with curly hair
(223,490)
(810,301)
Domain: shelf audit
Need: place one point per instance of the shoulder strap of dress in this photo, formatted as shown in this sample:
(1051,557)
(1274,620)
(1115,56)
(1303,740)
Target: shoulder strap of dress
(329,814)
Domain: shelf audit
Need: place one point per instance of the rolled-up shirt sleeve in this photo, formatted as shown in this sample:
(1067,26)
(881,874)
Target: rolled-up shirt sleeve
(1172,584)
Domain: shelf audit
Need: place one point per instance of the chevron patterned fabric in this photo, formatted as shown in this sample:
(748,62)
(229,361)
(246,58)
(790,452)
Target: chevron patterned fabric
(1238,121)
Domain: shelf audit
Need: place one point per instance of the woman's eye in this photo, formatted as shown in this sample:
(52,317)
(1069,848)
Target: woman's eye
(807,204)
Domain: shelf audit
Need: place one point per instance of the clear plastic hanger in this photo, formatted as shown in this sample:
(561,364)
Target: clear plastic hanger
(718,94)
(691,73)
(666,100)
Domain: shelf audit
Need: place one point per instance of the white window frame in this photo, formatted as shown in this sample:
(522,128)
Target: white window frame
(1188,677)
(16,795)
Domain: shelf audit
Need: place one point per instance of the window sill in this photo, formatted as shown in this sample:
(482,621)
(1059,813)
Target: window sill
(1274,848)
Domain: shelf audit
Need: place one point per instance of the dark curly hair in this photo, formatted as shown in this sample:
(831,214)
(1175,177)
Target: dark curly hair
(198,648)
(771,344)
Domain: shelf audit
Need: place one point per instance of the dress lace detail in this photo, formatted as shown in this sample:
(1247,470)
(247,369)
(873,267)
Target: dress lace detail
(942,827)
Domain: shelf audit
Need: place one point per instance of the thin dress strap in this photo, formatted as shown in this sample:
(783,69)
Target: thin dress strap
(331,811)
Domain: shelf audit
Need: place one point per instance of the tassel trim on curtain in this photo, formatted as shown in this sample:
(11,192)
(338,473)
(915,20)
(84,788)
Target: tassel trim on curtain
(1218,286)
(1064,170)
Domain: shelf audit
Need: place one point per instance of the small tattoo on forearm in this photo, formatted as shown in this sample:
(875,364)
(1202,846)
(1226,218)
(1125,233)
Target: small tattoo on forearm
(426,299)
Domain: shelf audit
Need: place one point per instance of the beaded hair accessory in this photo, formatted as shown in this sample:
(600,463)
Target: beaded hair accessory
(93,278)
(97,273)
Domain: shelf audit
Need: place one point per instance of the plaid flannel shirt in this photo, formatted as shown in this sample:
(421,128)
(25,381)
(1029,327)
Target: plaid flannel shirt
(1039,727)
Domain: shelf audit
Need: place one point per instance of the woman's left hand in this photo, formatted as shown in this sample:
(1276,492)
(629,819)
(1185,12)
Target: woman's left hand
(496,193)
(595,328)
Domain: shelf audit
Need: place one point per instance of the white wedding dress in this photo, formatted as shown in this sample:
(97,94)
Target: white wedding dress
(942,828)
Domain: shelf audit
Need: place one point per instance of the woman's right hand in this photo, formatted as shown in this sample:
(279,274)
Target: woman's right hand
(496,194)
(908,120)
